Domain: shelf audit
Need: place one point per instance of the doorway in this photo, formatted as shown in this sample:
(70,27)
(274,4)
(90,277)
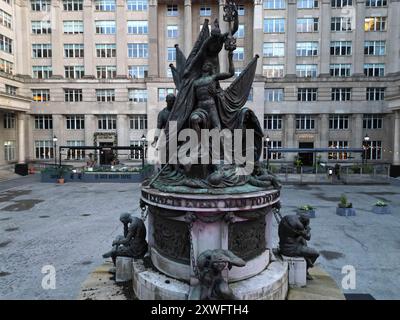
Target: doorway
(306,158)
(106,154)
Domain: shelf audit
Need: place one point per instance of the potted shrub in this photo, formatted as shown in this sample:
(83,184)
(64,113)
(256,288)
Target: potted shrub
(306,210)
(345,208)
(298,164)
(60,175)
(381,207)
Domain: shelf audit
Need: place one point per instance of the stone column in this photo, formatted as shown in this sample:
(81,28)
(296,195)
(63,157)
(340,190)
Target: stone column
(89,31)
(325,25)
(393,30)
(21,138)
(56,40)
(223,57)
(187,25)
(396,140)
(290,54)
(289,135)
(153,39)
(358,38)
(258,33)
(90,129)
(121,22)
(122,132)
(324,133)
(357,133)
(23,61)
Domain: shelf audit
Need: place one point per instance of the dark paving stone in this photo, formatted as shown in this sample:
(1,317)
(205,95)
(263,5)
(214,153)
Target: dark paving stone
(22,205)
(12,194)
(358,296)
(11,229)
(331,255)
(3,274)
(4,243)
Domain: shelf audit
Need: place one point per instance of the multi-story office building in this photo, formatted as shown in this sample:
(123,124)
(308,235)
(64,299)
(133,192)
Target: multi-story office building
(96,72)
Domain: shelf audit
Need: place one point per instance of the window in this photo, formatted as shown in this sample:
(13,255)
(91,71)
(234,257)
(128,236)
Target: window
(338,155)
(9,120)
(138,122)
(107,122)
(272,144)
(137,154)
(341,94)
(9,150)
(163,92)
(340,70)
(205,12)
(138,50)
(42,72)
(11,90)
(305,122)
(341,48)
(171,54)
(137,95)
(375,24)
(41,50)
(340,24)
(374,150)
(138,27)
(376,3)
(105,50)
(307,24)
(272,122)
(274,95)
(6,66)
(172,10)
(73,27)
(338,122)
(106,72)
(44,122)
(73,5)
(306,70)
(138,72)
(307,4)
(372,121)
(274,25)
(105,95)
(374,69)
(137,5)
(75,154)
(240,32)
(75,122)
(274,4)
(307,49)
(273,70)
(44,149)
(375,48)
(74,50)
(5,19)
(73,95)
(105,27)
(341,3)
(238,54)
(41,95)
(241,10)
(5,44)
(274,49)
(375,94)
(105,5)
(74,72)
(172,31)
(41,27)
(40,5)
(307,94)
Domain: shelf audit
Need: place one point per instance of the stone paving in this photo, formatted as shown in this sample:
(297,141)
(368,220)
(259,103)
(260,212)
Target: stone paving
(69,227)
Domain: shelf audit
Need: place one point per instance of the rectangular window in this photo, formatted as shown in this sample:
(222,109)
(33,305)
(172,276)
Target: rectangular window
(305,122)
(274,25)
(106,72)
(73,27)
(274,95)
(272,144)
(338,122)
(41,95)
(241,10)
(273,122)
(9,150)
(107,122)
(205,11)
(43,122)
(374,69)
(172,31)
(137,95)
(163,92)
(273,70)
(5,19)
(171,54)
(105,27)
(341,3)
(138,122)
(105,95)
(75,122)
(74,50)
(137,5)
(240,32)
(6,66)
(375,24)
(106,50)
(172,10)
(44,149)
(341,48)
(40,5)
(41,27)
(41,50)
(307,94)
(137,154)
(73,95)
(274,4)
(274,49)
(6,44)
(138,72)
(105,5)
(238,54)
(341,94)
(42,72)
(138,27)
(374,150)
(375,48)
(340,70)
(340,144)
(74,72)
(375,94)
(306,70)
(73,5)
(340,24)
(138,50)
(372,121)
(307,49)
(376,3)
(75,154)
(307,4)
(11,90)
(307,24)
(9,120)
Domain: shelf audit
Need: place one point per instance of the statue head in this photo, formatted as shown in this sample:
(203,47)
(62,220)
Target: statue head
(125,218)
(208,68)
(170,99)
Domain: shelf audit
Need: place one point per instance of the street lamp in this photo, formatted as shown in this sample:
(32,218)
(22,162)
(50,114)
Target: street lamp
(143,138)
(267,140)
(365,145)
(55,150)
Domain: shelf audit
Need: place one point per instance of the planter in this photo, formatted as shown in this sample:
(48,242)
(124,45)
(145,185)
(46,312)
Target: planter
(308,213)
(345,212)
(381,210)
(60,181)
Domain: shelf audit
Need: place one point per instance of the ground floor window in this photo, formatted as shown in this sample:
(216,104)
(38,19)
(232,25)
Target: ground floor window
(338,155)
(136,154)
(44,149)
(9,150)
(273,144)
(374,150)
(75,154)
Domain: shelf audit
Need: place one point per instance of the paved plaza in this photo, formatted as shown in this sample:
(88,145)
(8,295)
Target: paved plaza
(70,226)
